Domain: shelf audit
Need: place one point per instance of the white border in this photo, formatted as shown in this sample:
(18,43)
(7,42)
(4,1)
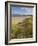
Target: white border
(34,26)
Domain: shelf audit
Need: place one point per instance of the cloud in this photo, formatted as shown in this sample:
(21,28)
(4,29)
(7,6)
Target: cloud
(22,8)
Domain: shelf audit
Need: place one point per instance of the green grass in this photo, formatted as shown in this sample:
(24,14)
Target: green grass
(22,29)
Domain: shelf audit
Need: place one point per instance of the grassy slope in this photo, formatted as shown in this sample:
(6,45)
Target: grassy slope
(22,29)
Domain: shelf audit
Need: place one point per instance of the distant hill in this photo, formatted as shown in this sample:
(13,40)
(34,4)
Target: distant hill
(15,15)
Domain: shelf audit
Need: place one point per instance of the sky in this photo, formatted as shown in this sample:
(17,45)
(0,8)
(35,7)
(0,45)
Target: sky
(21,10)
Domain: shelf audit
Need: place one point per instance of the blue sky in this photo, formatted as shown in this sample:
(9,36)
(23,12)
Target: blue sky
(21,10)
